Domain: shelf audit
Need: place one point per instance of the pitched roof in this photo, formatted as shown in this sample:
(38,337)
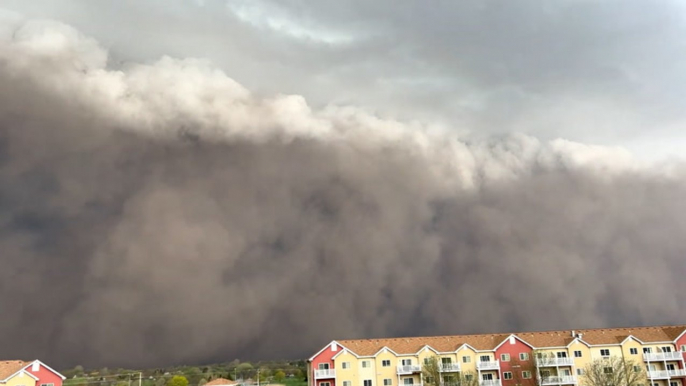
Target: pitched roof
(8,368)
(540,339)
(220,382)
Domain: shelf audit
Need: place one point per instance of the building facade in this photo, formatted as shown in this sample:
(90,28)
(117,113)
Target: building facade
(548,358)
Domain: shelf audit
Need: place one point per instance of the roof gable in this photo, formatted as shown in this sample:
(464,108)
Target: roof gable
(508,338)
(47,367)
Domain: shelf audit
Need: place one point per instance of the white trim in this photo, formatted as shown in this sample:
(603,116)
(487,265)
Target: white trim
(680,335)
(22,370)
(318,352)
(508,338)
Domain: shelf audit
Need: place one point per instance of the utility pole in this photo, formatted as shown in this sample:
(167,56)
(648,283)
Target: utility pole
(140,379)
(258,377)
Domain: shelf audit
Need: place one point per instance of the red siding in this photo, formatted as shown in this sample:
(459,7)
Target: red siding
(680,342)
(323,357)
(514,350)
(44,376)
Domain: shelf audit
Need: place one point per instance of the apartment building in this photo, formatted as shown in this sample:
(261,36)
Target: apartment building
(547,358)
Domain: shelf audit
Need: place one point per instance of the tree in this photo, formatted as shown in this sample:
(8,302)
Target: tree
(177,380)
(521,367)
(613,371)
(433,374)
(279,376)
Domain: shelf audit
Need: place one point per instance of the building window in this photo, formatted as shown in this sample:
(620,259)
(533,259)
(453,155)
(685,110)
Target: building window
(407,362)
(656,384)
(670,366)
(325,384)
(647,350)
(387,382)
(408,381)
(666,349)
(683,347)
(47,384)
(505,357)
(426,361)
(605,352)
(365,364)
(526,374)
(386,363)
(633,351)
(672,383)
(562,354)
(323,366)
(468,377)
(523,356)
(449,379)
(607,370)
(367,382)
(345,365)
(637,369)
(507,375)
(577,354)
(347,383)
(485,358)
(466,359)
(579,371)
(545,373)
(447,361)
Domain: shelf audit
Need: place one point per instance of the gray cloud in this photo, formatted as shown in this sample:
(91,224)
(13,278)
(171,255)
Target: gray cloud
(161,213)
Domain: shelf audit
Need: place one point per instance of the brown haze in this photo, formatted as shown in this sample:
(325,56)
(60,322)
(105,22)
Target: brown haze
(161,214)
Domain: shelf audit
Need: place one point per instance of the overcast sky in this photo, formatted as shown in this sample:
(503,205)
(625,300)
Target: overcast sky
(605,72)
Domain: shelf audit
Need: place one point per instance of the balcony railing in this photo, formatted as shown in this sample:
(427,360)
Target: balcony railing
(409,369)
(554,361)
(663,356)
(328,373)
(449,367)
(490,382)
(677,373)
(658,374)
(488,365)
(558,380)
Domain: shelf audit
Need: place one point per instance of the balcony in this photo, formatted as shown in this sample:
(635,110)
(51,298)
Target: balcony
(663,356)
(553,361)
(409,369)
(328,373)
(487,365)
(677,373)
(490,382)
(658,374)
(559,380)
(449,367)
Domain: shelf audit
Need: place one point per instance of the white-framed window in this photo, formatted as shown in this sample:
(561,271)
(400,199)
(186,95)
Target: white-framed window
(672,383)
(323,366)
(468,377)
(347,383)
(507,375)
(577,354)
(325,384)
(562,354)
(447,361)
(485,358)
(608,370)
(426,360)
(605,352)
(408,381)
(683,347)
(526,374)
(647,350)
(523,356)
(487,377)
(47,384)
(505,357)
(466,359)
(633,351)
(365,364)
(406,362)
(637,369)
(579,371)
(345,365)
(367,382)
(387,382)
(670,366)
(386,363)
(656,384)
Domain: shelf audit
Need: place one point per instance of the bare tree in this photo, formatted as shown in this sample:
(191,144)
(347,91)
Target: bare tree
(434,375)
(613,371)
(525,372)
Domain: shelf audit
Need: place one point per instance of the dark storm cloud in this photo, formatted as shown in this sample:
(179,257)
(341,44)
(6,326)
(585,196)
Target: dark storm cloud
(162,214)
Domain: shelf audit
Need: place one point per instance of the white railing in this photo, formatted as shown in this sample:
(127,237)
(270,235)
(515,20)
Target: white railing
(449,367)
(488,365)
(677,373)
(409,369)
(658,374)
(663,356)
(554,361)
(490,382)
(328,373)
(558,380)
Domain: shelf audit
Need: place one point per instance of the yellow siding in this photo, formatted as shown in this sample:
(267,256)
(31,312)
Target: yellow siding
(389,372)
(615,351)
(584,360)
(626,350)
(468,366)
(349,374)
(368,372)
(21,379)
